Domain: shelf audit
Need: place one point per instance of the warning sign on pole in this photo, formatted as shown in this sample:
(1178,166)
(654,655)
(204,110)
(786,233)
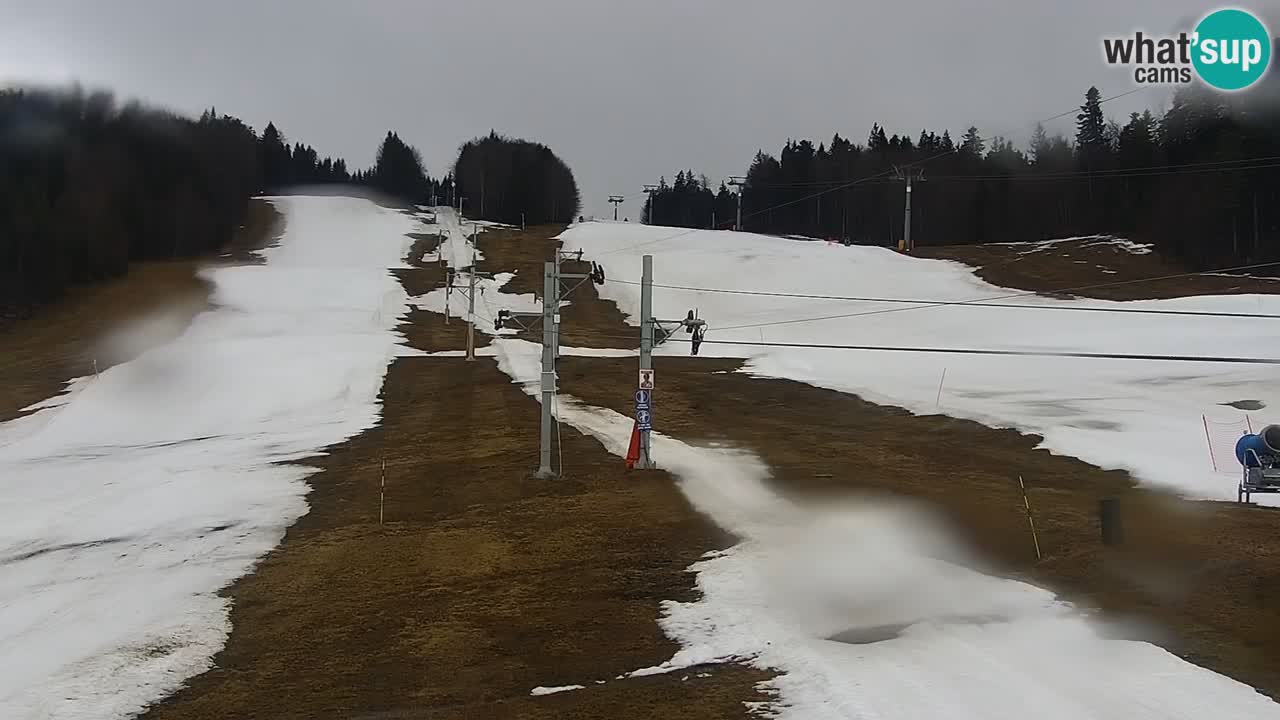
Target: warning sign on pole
(646,379)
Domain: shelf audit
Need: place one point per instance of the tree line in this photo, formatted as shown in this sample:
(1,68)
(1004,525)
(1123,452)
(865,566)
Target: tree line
(689,202)
(1202,182)
(88,185)
(512,181)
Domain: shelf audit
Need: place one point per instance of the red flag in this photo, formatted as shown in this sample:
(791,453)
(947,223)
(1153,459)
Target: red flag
(633,451)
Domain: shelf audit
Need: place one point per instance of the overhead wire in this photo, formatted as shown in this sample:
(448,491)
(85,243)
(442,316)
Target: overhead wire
(987,302)
(852,183)
(1242,164)
(1103,175)
(963,303)
(1231,360)
(1014,353)
(1076,289)
(689,231)
(1100,102)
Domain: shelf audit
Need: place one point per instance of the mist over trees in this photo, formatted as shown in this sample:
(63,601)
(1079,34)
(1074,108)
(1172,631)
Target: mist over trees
(88,185)
(503,179)
(1202,182)
(397,171)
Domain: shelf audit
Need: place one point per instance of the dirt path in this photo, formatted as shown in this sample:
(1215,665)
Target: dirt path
(482,583)
(38,355)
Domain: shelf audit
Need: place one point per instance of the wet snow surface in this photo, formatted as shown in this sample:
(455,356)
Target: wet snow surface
(868,611)
(128,502)
(1141,416)
(132,499)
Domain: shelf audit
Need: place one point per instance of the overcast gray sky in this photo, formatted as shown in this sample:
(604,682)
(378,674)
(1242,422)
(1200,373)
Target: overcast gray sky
(623,91)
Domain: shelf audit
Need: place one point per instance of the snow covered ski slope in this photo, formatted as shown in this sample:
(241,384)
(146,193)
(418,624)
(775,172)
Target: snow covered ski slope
(456,249)
(1143,416)
(866,609)
(126,504)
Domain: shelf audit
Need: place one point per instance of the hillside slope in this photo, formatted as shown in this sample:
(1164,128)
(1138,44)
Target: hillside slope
(1145,416)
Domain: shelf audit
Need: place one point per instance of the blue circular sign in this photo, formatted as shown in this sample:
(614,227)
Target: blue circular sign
(1232,49)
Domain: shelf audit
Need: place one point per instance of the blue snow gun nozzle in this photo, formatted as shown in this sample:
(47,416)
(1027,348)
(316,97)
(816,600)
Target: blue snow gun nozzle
(1250,449)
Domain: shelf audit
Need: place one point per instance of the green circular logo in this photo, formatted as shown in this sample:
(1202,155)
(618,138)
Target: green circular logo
(1232,49)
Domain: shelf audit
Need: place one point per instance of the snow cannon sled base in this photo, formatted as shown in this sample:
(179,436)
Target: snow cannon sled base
(1259,457)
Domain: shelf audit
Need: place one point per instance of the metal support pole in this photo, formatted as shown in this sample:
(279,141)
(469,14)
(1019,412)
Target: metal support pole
(741,184)
(471,310)
(1253,250)
(652,190)
(549,292)
(906,237)
(555,315)
(844,216)
(646,347)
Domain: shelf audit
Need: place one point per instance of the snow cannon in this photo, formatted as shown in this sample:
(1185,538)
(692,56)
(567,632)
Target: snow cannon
(1252,450)
(1259,454)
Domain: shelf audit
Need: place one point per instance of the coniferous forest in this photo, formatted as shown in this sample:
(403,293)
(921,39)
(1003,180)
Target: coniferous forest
(509,180)
(1202,182)
(88,185)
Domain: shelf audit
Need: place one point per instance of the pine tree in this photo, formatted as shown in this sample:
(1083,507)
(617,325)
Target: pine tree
(274,158)
(972,144)
(877,141)
(397,170)
(928,143)
(1039,144)
(1091,132)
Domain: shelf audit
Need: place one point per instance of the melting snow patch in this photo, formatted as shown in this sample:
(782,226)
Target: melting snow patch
(1101,411)
(1042,245)
(129,502)
(455,246)
(540,690)
(965,645)
(1129,245)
